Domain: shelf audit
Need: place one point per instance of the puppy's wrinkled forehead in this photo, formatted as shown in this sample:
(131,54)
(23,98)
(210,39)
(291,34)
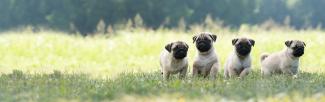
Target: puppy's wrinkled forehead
(296,43)
(179,44)
(243,41)
(204,36)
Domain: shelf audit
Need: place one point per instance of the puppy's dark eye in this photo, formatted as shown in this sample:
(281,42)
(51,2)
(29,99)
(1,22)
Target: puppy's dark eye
(241,44)
(297,47)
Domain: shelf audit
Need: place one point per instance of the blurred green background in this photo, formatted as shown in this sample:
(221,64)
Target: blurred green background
(83,16)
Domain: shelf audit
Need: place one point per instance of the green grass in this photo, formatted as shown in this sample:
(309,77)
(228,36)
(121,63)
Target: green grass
(54,66)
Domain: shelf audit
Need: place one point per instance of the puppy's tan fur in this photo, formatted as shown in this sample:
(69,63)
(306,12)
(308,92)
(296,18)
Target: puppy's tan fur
(282,62)
(238,65)
(170,65)
(206,63)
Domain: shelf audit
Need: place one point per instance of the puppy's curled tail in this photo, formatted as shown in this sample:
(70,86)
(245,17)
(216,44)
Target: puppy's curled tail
(263,56)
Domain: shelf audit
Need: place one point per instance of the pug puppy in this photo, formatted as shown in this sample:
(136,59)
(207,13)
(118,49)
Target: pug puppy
(283,62)
(239,61)
(206,61)
(173,59)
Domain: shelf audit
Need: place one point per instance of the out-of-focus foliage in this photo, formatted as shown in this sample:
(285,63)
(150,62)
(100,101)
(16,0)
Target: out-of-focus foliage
(84,15)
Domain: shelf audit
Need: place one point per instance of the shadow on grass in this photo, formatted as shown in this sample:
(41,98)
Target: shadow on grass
(19,86)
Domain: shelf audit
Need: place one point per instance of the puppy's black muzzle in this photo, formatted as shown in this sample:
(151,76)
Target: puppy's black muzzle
(297,52)
(203,46)
(243,50)
(180,53)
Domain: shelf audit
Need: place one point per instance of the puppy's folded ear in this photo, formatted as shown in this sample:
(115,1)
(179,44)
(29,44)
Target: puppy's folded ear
(288,43)
(168,47)
(304,43)
(194,38)
(214,37)
(234,41)
(252,42)
(186,46)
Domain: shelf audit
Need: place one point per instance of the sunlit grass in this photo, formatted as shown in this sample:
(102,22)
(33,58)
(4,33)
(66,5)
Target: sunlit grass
(133,51)
(91,67)
(57,86)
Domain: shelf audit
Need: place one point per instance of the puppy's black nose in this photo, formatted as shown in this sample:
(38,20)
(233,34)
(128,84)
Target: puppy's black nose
(201,44)
(298,51)
(181,51)
(180,54)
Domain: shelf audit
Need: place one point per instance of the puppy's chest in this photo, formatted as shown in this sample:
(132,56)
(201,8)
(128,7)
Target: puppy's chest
(175,66)
(205,62)
(241,64)
(237,65)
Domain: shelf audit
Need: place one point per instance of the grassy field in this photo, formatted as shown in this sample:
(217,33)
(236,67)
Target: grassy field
(54,66)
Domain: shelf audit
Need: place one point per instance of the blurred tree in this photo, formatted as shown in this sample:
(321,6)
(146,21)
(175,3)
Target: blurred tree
(84,15)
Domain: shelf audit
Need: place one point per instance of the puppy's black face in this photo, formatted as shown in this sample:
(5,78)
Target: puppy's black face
(204,41)
(298,51)
(203,44)
(178,49)
(243,46)
(297,47)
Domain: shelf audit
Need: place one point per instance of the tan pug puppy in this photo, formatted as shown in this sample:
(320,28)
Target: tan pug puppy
(206,62)
(173,59)
(239,62)
(283,62)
